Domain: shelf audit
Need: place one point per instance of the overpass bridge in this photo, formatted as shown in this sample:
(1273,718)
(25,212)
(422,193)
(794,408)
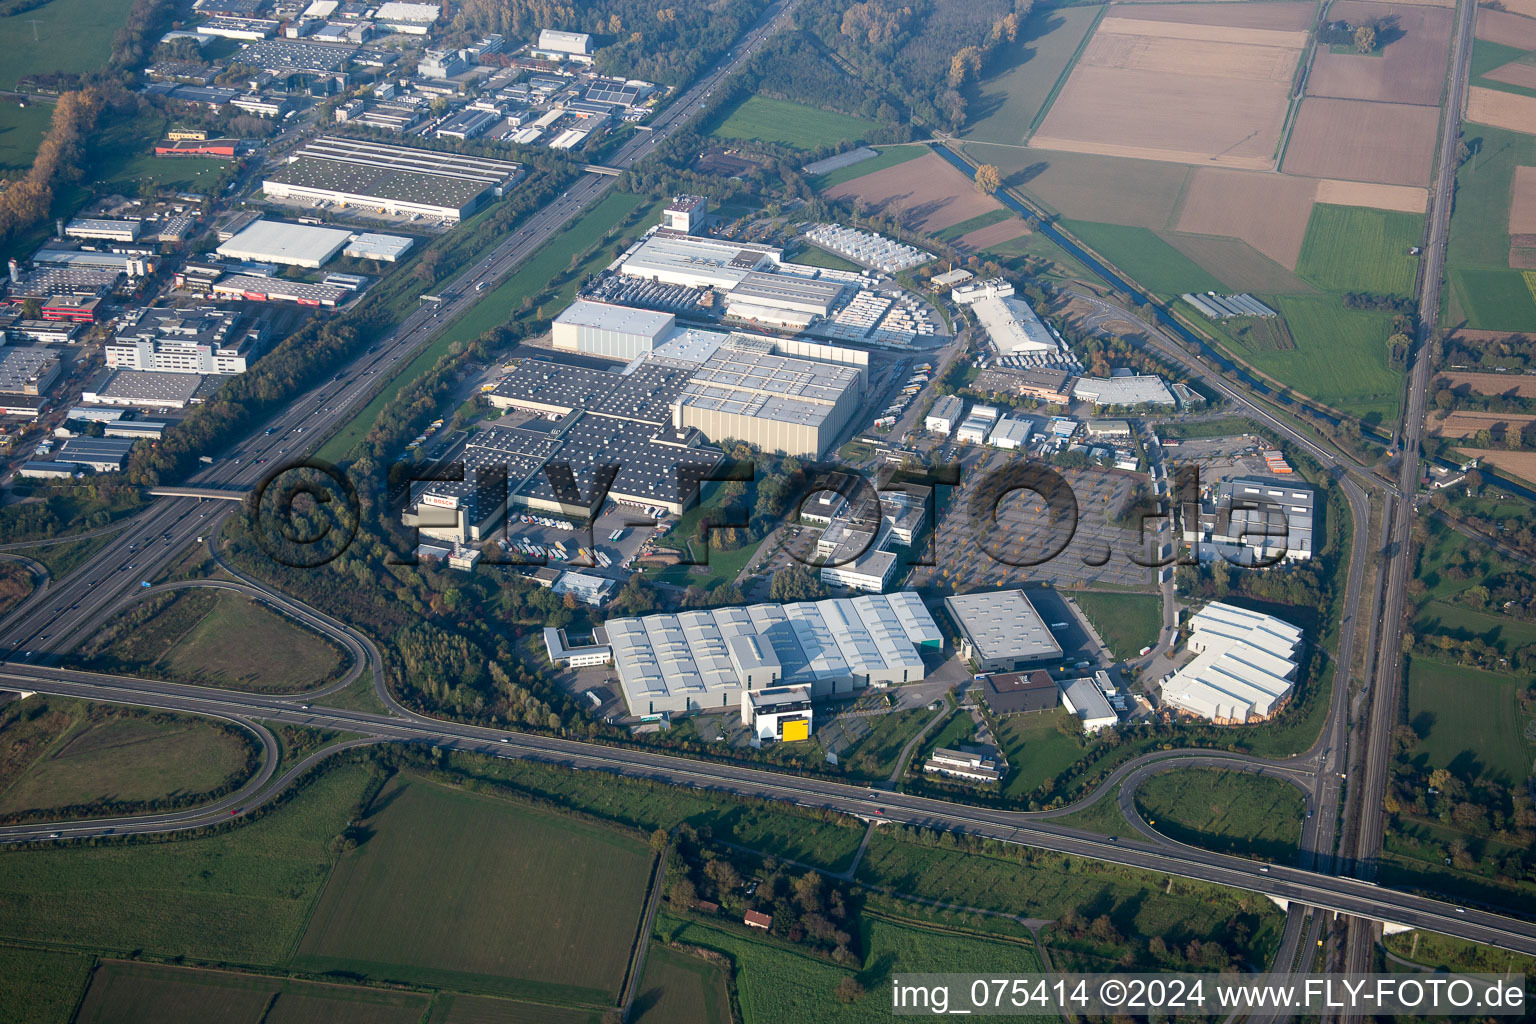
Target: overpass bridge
(215,493)
(612,172)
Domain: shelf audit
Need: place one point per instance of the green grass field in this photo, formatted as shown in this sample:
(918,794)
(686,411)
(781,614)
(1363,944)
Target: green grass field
(221,639)
(241,896)
(1150,261)
(1483,291)
(956,231)
(811,256)
(131,760)
(1230,812)
(1102,816)
(788,832)
(62,35)
(1350,248)
(244,644)
(776,982)
(40,986)
(138,993)
(1036,749)
(1469,721)
(1493,300)
(1012,94)
(1503,632)
(889,156)
(498,306)
(681,989)
(21,131)
(485,894)
(1126,622)
(760,119)
(1488,55)
(1340,357)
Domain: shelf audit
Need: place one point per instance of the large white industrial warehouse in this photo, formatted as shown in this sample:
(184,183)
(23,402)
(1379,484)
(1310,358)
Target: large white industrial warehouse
(786,396)
(1244,667)
(703,660)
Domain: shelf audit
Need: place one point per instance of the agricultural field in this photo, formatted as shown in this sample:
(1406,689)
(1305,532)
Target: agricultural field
(41,986)
(927,194)
(129,759)
(241,896)
(1340,356)
(1126,622)
(1503,632)
(760,119)
(1516,386)
(1399,72)
(1338,235)
(61,35)
(129,993)
(1387,143)
(791,833)
(776,982)
(1516,464)
(887,156)
(681,989)
(1208,88)
(455,1008)
(1468,721)
(1229,812)
(487,895)
(21,132)
(222,639)
(1004,106)
(1466,424)
(1143,254)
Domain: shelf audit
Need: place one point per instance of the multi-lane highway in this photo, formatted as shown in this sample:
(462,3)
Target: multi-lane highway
(51,623)
(1344,895)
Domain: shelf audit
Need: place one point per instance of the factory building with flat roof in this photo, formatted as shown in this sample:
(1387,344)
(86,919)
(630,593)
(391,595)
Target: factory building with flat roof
(399,180)
(198,340)
(778,396)
(1253,521)
(373,246)
(697,262)
(144,389)
(1244,668)
(1124,390)
(613,332)
(1001,631)
(294,245)
(781,300)
(703,660)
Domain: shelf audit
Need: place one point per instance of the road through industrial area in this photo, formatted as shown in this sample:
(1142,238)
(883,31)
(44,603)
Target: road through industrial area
(53,620)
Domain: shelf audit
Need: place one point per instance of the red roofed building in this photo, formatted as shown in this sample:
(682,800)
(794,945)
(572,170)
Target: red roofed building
(757,920)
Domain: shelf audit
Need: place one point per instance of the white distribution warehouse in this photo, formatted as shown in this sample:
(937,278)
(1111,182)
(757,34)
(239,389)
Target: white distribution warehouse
(296,245)
(1244,667)
(703,660)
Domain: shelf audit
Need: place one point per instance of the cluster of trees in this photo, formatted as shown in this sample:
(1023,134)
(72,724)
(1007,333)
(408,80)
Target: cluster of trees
(59,161)
(806,908)
(791,66)
(1399,304)
(1518,532)
(925,52)
(1473,803)
(658,40)
(1448,397)
(63,505)
(1303,584)
(1472,651)
(1362,37)
(1513,352)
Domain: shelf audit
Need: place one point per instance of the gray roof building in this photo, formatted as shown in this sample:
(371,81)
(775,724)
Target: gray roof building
(703,659)
(1001,631)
